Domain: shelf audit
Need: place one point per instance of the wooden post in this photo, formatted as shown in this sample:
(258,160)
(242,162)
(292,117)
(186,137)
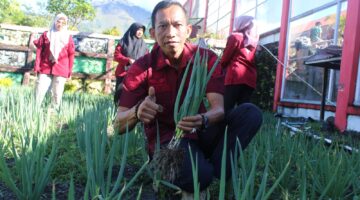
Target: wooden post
(26,79)
(108,70)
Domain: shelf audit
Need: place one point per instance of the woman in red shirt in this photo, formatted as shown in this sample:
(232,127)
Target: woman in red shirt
(55,52)
(239,62)
(130,48)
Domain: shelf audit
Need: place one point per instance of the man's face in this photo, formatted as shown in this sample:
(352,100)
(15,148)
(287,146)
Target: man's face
(171,31)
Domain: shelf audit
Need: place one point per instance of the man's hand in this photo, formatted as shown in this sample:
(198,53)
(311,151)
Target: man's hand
(148,108)
(214,114)
(190,123)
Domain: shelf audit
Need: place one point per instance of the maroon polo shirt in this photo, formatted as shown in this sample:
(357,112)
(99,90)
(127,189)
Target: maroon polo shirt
(239,62)
(154,69)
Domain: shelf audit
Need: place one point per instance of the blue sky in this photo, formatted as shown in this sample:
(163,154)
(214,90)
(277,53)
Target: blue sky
(146,4)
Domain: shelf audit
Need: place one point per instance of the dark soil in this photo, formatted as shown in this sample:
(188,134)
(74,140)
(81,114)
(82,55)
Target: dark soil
(5,193)
(62,189)
(61,192)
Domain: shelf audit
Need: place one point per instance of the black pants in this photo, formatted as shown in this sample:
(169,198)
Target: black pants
(118,89)
(236,95)
(243,122)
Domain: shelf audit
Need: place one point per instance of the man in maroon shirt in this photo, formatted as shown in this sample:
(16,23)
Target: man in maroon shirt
(150,90)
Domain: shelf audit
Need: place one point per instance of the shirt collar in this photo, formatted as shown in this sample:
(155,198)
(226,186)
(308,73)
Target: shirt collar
(160,60)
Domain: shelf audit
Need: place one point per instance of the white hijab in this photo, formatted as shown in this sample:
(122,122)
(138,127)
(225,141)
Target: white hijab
(58,39)
(247,26)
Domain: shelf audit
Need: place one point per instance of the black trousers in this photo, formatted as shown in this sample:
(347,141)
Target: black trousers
(236,95)
(118,89)
(243,122)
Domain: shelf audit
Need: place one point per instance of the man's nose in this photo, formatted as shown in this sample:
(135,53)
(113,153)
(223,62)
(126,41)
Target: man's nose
(171,31)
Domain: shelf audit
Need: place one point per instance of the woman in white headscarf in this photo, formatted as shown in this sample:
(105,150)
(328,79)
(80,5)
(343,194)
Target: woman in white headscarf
(239,62)
(54,60)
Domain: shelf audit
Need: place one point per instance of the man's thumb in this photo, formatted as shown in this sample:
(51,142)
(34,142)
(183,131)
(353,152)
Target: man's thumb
(152,92)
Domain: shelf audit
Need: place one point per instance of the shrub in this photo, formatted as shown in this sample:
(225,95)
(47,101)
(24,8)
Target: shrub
(6,82)
(266,75)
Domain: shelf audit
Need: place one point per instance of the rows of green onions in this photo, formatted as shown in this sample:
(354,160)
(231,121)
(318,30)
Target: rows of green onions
(34,155)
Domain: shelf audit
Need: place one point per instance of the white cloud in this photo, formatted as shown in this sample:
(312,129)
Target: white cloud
(147,4)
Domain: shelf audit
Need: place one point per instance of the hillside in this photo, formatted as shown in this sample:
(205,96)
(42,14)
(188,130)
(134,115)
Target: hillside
(118,13)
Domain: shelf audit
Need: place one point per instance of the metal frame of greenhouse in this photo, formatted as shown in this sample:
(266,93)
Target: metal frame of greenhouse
(346,112)
(345,103)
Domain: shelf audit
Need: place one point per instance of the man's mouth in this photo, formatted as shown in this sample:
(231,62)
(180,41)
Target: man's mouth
(171,42)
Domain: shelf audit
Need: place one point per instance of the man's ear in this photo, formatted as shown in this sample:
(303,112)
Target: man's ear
(152,33)
(188,30)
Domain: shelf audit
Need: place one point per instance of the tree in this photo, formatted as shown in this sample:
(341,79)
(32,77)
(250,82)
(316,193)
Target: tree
(112,31)
(35,20)
(10,12)
(76,10)
(4,4)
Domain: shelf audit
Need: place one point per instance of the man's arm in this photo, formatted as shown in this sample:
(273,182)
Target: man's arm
(125,117)
(144,111)
(214,114)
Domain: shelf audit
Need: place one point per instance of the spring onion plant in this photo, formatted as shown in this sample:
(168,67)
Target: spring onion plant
(167,161)
(100,156)
(195,170)
(223,169)
(244,177)
(27,154)
(71,192)
(194,94)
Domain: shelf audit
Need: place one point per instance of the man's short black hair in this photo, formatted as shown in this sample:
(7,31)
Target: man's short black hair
(165,4)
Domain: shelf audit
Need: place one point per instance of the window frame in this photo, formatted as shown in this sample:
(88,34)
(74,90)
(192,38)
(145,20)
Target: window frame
(357,90)
(329,89)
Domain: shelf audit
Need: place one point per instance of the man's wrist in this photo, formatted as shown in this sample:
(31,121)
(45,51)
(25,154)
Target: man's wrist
(204,122)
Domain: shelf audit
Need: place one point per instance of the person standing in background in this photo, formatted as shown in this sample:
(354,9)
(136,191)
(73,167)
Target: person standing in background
(55,51)
(315,33)
(130,48)
(239,62)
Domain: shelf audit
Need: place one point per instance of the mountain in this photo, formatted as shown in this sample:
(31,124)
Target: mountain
(118,13)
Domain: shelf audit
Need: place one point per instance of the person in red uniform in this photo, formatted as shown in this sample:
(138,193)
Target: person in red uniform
(55,51)
(131,47)
(149,94)
(239,62)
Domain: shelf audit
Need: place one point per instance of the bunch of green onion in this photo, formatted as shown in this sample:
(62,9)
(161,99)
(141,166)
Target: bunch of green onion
(195,93)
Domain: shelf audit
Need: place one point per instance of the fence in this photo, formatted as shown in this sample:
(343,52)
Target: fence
(93,58)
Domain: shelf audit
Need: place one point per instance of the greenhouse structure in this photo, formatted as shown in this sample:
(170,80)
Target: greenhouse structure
(317,79)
